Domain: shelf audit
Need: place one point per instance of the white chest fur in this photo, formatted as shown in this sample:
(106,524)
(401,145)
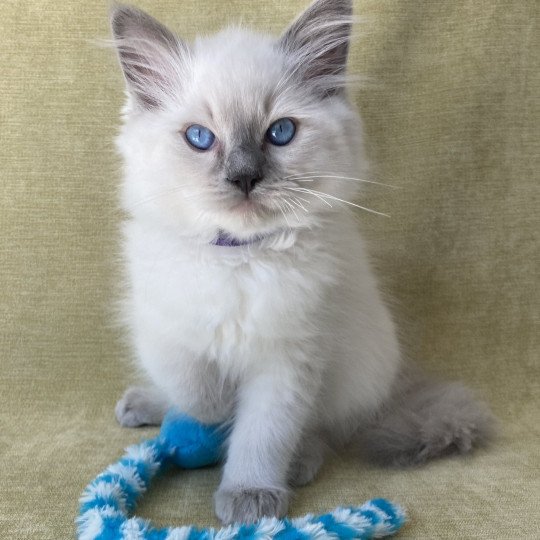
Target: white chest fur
(222,303)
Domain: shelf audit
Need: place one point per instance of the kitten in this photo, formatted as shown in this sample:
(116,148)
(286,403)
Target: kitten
(250,298)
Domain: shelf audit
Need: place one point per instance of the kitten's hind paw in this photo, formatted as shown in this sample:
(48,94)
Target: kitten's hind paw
(306,463)
(140,407)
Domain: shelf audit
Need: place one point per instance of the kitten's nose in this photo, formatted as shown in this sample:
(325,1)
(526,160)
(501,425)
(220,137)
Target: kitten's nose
(245,182)
(245,166)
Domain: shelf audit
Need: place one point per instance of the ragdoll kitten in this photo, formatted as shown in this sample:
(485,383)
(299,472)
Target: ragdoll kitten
(251,299)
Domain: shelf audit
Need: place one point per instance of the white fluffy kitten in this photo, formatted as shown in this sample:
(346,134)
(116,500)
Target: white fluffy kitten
(251,299)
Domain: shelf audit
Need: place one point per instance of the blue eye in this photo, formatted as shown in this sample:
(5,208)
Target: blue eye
(281,132)
(200,137)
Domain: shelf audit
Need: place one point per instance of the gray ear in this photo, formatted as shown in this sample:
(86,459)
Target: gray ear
(318,42)
(150,55)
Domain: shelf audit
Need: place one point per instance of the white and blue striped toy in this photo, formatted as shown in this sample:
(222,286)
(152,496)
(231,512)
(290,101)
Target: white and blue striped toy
(107,501)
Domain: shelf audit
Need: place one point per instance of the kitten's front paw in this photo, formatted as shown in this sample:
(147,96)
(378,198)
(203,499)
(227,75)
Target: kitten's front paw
(248,505)
(139,407)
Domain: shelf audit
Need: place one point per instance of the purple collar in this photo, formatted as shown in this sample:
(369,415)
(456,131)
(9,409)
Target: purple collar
(226,240)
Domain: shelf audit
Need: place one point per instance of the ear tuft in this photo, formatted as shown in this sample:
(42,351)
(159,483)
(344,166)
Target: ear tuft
(318,43)
(149,53)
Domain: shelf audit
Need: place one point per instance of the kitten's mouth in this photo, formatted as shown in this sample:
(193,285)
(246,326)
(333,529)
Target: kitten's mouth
(249,205)
(246,204)
(256,209)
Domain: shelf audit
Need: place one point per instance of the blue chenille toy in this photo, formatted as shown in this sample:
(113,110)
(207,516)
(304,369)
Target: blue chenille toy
(112,495)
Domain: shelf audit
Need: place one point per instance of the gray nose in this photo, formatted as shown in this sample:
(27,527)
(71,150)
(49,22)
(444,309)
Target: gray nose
(245,182)
(245,166)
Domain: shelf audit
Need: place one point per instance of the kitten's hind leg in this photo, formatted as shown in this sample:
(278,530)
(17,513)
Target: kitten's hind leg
(141,407)
(425,420)
(307,461)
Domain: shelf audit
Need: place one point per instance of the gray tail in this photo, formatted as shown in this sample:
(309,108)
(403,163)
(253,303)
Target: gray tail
(426,419)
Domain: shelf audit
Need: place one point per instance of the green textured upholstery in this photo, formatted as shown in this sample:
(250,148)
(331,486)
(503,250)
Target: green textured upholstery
(451,113)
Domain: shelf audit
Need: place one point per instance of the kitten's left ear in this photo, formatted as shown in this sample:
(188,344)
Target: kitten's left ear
(318,43)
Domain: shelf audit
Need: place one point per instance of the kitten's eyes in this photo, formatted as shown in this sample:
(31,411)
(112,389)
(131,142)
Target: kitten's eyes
(200,137)
(281,132)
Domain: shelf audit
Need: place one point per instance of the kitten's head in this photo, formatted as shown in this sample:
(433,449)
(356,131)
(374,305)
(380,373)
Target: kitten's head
(232,131)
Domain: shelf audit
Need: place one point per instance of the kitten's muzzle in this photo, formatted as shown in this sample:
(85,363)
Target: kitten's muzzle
(245,182)
(244,167)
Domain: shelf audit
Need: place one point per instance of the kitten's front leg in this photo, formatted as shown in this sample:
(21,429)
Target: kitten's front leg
(273,408)
(192,385)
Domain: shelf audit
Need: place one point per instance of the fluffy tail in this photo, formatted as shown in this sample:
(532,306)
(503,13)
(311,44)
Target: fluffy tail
(427,419)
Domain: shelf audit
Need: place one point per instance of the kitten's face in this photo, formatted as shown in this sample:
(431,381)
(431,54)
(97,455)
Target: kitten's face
(233,129)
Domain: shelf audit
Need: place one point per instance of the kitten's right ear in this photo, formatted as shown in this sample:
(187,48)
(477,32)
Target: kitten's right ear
(151,56)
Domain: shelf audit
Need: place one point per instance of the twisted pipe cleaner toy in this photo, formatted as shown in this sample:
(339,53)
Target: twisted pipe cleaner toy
(108,500)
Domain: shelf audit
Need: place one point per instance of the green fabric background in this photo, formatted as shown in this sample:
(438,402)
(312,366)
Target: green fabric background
(451,113)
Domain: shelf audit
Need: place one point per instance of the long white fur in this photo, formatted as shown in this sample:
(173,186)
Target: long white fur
(290,333)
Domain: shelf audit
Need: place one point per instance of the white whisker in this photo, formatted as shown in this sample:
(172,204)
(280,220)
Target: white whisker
(310,192)
(284,215)
(302,199)
(299,204)
(287,202)
(157,195)
(321,194)
(309,177)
